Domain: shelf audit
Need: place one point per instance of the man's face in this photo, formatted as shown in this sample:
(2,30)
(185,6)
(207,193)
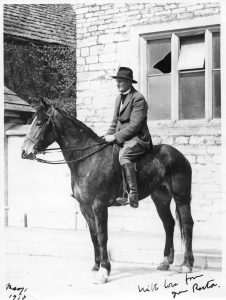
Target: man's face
(123,85)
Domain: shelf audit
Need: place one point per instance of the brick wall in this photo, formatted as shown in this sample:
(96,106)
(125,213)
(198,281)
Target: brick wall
(103,39)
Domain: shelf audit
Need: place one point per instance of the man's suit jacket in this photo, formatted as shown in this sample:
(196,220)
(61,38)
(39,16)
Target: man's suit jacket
(130,123)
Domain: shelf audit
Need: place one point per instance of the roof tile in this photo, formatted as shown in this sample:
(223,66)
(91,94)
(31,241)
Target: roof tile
(13,102)
(53,23)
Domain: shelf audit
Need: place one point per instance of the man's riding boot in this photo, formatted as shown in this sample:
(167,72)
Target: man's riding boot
(130,177)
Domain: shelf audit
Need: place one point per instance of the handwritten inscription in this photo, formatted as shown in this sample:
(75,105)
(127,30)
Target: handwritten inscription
(170,284)
(188,279)
(178,293)
(149,288)
(16,293)
(191,283)
(209,285)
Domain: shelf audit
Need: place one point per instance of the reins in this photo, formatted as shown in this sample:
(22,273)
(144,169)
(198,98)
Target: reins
(59,162)
(73,149)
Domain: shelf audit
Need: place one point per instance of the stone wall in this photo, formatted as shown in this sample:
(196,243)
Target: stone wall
(204,153)
(103,34)
(103,44)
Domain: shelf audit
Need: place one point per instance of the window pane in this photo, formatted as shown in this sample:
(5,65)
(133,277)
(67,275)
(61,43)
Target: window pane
(157,50)
(159,100)
(192,95)
(192,53)
(216,94)
(164,65)
(216,50)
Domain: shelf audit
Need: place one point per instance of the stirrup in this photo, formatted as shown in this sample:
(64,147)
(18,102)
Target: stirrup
(127,201)
(122,201)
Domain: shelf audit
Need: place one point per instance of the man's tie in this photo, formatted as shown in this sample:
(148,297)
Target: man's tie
(123,97)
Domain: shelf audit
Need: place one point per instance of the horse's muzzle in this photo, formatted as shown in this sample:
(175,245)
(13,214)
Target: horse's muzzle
(31,155)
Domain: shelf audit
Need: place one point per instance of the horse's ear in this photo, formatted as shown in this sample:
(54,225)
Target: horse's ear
(44,103)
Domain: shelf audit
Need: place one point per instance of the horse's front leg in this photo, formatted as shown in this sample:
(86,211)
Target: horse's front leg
(101,218)
(90,219)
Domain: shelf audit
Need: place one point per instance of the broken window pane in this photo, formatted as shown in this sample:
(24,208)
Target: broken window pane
(192,53)
(216,94)
(157,51)
(164,65)
(192,95)
(159,99)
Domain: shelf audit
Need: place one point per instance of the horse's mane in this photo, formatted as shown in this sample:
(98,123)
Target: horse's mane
(76,122)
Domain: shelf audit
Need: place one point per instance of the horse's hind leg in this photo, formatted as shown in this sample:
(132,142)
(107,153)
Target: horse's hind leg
(186,226)
(162,199)
(181,190)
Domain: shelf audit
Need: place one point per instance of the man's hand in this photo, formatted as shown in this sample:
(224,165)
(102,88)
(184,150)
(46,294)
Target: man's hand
(109,138)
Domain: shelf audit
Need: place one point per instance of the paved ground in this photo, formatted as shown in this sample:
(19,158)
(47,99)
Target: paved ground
(122,246)
(66,278)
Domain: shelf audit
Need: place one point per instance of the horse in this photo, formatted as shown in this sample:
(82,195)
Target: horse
(96,181)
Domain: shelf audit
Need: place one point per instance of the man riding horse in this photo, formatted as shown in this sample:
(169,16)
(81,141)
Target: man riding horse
(129,129)
(163,173)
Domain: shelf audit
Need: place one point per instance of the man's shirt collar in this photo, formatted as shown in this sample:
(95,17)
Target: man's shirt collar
(127,92)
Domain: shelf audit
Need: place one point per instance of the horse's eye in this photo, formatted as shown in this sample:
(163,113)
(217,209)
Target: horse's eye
(39,123)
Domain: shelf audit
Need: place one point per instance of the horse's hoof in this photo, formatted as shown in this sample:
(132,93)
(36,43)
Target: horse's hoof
(186,269)
(101,276)
(164,265)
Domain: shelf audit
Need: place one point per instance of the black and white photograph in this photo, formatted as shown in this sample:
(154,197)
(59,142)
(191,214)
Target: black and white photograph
(113,150)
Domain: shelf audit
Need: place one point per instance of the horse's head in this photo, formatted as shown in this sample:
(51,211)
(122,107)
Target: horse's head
(41,133)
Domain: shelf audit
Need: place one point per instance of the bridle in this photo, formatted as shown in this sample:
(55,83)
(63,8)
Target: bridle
(43,130)
(41,136)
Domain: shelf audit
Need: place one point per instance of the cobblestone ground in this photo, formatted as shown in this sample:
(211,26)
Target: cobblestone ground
(67,278)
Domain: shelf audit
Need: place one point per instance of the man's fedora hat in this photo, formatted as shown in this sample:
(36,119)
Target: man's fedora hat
(125,73)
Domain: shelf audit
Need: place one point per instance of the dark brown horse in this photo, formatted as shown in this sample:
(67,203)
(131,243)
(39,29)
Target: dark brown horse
(96,181)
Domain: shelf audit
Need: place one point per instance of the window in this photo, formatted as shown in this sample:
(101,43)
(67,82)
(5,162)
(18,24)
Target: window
(191,78)
(183,75)
(216,76)
(191,53)
(158,50)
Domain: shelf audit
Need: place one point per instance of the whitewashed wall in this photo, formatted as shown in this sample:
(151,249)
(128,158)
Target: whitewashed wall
(40,191)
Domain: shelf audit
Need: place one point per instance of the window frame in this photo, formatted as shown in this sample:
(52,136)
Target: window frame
(175,36)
